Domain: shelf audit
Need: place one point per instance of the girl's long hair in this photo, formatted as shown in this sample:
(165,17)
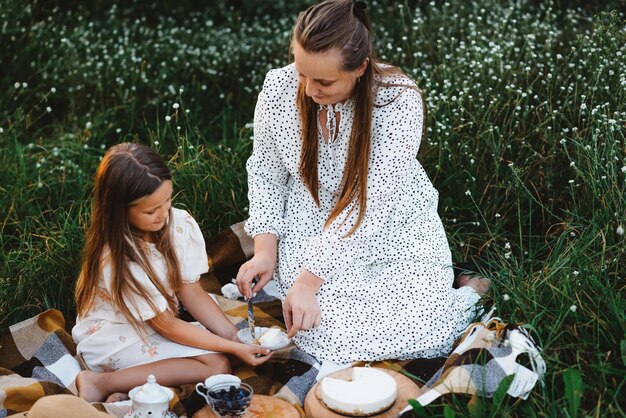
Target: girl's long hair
(127,173)
(341,25)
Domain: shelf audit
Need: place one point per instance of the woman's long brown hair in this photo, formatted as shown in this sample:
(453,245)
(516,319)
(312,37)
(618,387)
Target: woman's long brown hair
(340,25)
(127,173)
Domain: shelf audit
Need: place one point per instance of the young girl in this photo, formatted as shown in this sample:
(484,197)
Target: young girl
(142,257)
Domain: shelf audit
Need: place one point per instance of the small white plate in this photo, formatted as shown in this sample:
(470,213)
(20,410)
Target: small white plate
(245,337)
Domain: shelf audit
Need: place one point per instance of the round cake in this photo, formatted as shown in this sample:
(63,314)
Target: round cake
(370,392)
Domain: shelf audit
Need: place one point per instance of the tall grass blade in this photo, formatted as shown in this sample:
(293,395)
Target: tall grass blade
(573,390)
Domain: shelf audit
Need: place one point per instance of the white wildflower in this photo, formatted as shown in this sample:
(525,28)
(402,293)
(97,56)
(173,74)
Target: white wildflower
(575,273)
(506,297)
(53,90)
(573,308)
(48,109)
(168,118)
(619,230)
(175,106)
(623,169)
(468,193)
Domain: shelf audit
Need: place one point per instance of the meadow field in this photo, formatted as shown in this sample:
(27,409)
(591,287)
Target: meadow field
(525,141)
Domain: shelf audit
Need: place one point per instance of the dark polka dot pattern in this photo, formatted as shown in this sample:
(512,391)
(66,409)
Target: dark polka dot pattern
(387,289)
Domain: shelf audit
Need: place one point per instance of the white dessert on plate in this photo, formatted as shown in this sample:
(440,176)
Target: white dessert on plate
(370,392)
(271,337)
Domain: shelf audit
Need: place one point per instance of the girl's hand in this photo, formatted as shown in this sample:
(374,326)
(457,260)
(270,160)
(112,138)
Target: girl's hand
(301,308)
(262,265)
(252,355)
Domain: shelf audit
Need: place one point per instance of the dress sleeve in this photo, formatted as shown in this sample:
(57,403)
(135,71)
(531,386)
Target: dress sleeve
(396,130)
(190,247)
(267,174)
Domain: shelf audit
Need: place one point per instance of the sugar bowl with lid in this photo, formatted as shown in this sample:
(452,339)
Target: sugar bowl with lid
(150,400)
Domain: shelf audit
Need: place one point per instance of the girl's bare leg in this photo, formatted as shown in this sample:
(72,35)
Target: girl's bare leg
(96,387)
(117,397)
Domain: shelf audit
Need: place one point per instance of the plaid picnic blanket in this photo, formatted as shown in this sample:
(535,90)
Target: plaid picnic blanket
(38,356)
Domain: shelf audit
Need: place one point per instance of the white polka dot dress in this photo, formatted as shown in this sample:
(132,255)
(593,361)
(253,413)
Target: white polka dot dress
(387,291)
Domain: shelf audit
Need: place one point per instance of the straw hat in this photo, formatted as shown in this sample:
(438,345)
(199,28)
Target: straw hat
(62,406)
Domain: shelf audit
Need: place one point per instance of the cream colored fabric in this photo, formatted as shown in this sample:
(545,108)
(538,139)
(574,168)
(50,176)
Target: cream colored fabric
(62,406)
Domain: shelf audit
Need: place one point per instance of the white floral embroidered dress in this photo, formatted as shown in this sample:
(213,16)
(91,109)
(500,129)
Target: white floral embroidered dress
(106,340)
(387,289)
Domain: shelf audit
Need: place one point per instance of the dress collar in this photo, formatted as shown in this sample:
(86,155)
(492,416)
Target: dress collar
(331,120)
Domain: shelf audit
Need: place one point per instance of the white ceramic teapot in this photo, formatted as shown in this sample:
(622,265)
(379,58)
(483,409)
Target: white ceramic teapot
(150,400)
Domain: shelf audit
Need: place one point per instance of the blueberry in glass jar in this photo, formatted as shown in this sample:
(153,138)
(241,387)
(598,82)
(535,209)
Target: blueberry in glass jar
(230,401)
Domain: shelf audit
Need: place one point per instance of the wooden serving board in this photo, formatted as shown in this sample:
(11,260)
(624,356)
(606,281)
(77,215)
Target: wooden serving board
(262,406)
(407,389)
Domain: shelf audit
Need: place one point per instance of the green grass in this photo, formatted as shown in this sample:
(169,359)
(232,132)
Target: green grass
(525,142)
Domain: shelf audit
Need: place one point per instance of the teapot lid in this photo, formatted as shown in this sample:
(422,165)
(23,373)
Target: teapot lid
(151,392)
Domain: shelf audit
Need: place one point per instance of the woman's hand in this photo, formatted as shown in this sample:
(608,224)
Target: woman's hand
(301,308)
(262,265)
(252,355)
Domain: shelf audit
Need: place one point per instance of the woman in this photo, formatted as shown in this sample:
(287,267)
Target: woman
(343,216)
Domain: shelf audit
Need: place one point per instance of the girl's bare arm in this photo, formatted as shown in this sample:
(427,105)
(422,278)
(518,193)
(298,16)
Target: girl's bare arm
(204,309)
(182,332)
